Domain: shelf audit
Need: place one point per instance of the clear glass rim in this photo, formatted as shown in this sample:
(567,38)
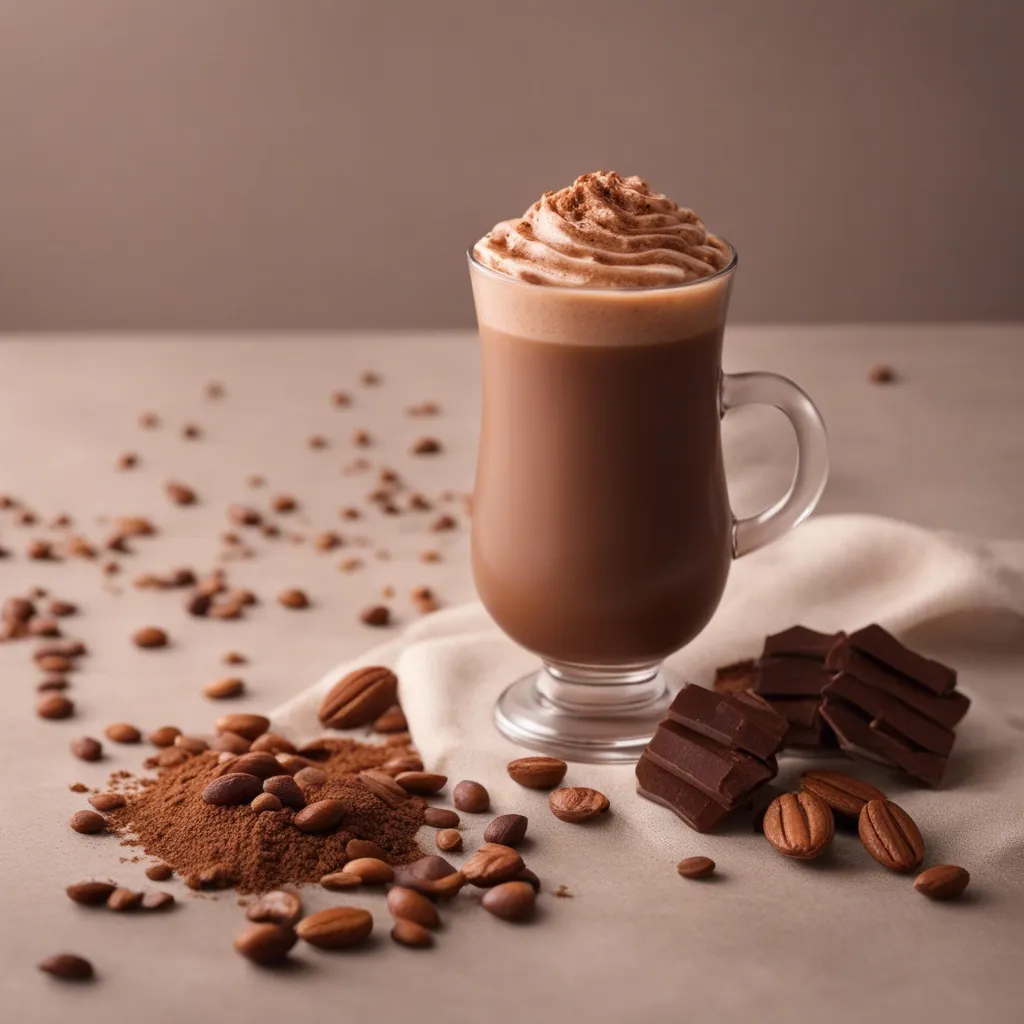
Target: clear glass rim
(724,272)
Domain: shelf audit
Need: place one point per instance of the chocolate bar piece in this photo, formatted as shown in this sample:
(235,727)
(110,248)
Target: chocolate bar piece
(790,677)
(885,648)
(727,776)
(740,721)
(735,678)
(698,810)
(798,712)
(811,737)
(800,642)
(859,736)
(947,710)
(897,717)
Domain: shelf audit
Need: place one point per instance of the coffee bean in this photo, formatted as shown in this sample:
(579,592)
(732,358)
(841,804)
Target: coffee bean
(881,374)
(409,905)
(67,967)
(426,446)
(310,777)
(224,689)
(232,790)
(359,848)
(88,822)
(157,901)
(180,494)
(149,637)
(283,503)
(170,757)
(890,835)
(577,803)
(339,881)
(62,609)
(266,802)
(696,867)
(231,743)
(285,788)
(799,825)
(122,732)
(392,720)
(336,927)
(265,943)
(537,772)
(90,894)
(409,933)
(107,801)
(449,840)
(191,744)
(43,627)
(249,726)
(440,817)
(85,748)
(443,523)
(54,706)
(384,787)
(424,783)
(279,906)
(320,816)
(471,797)
(164,736)
(159,872)
(511,901)
(56,663)
(272,744)
(491,865)
(942,882)
(376,615)
(259,763)
(506,830)
(51,684)
(370,871)
(122,900)
(359,697)
(843,793)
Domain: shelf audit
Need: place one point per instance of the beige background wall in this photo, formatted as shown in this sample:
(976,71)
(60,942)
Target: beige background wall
(321,163)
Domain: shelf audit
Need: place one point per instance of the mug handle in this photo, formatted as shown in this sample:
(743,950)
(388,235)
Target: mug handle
(811,461)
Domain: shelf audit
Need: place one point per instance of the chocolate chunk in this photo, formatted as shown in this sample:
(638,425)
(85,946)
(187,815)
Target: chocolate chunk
(800,642)
(700,812)
(799,712)
(885,648)
(790,677)
(739,723)
(727,776)
(736,678)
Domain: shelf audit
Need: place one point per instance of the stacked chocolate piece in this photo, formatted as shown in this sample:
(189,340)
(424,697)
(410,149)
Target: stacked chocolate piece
(710,755)
(790,675)
(890,705)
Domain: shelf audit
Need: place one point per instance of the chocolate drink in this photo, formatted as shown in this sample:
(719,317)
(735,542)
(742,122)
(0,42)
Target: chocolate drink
(602,534)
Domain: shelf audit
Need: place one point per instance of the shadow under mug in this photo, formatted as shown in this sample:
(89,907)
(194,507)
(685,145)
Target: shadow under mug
(602,534)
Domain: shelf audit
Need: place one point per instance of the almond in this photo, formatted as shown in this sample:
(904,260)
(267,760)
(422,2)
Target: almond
(336,927)
(359,698)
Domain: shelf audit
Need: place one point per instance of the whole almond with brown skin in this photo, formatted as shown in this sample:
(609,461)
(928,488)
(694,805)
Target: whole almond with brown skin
(266,802)
(409,933)
(54,706)
(942,882)
(393,720)
(88,822)
(191,744)
(506,829)
(249,726)
(409,905)
(232,743)
(150,637)
(107,801)
(157,901)
(440,817)
(279,906)
(90,894)
(286,789)
(310,776)
(320,816)
(122,900)
(424,783)
(843,793)
(370,871)
(537,772)
(67,967)
(511,901)
(577,804)
(471,797)
(336,927)
(357,848)
(159,872)
(696,867)
(261,764)
(404,763)
(359,698)
(232,790)
(265,943)
(271,743)
(224,689)
(384,787)
(799,825)
(164,736)
(449,840)
(890,835)
(339,881)
(491,865)
(85,748)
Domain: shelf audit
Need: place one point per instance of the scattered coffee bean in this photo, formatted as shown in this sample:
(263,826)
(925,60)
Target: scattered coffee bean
(370,871)
(843,793)
(157,901)
(232,790)
(336,927)
(577,804)
(320,816)
(234,658)
(890,835)
(361,439)
(127,460)
(67,967)
(180,494)
(310,777)
(150,637)
(341,399)
(294,599)
(286,789)
(40,551)
(696,867)
(444,523)
(440,817)
(54,706)
(122,732)
(799,825)
(471,797)
(377,615)
(426,446)
(942,882)
(392,720)
(224,689)
(537,772)
(283,503)
(422,783)
(249,726)
(88,822)
(370,379)
(356,849)
(279,906)
(85,748)
(449,840)
(231,743)
(359,697)
(56,663)
(122,900)
(327,541)
(159,872)
(266,802)
(90,894)
(149,420)
(107,801)
(52,684)
(164,736)
(265,943)
(511,901)
(506,829)
(191,744)
(62,609)
(408,905)
(44,627)
(491,865)
(409,933)
(881,374)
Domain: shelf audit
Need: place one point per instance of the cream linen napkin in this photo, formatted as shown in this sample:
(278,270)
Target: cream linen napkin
(938,592)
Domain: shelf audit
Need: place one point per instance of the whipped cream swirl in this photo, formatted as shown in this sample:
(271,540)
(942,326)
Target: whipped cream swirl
(604,231)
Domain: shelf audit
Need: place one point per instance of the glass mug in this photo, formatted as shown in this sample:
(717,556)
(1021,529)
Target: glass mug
(602,534)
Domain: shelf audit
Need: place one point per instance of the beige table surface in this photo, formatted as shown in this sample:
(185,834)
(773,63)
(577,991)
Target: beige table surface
(944,448)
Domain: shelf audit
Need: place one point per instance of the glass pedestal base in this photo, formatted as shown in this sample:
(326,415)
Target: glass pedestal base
(585,714)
